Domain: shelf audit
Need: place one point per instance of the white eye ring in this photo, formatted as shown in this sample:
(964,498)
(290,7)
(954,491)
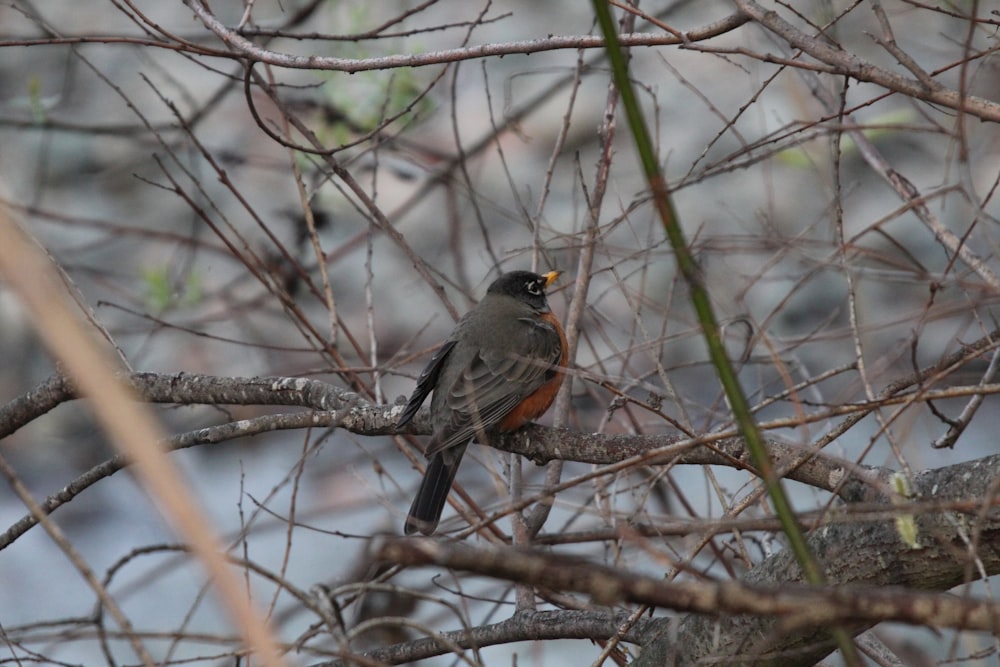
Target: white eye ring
(532,287)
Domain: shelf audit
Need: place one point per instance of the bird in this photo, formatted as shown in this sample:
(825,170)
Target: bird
(500,368)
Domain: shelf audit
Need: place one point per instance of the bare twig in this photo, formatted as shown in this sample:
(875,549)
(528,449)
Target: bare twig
(248,49)
(958,425)
(73,554)
(132,428)
(850,64)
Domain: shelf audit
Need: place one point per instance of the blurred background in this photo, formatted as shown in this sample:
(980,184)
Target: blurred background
(144,170)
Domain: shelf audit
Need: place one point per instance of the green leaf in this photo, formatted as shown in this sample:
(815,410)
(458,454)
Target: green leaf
(162,292)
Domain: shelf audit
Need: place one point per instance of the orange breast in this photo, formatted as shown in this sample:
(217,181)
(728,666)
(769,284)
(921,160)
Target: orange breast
(535,405)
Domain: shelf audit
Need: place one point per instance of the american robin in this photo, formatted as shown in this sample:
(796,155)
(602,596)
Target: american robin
(499,369)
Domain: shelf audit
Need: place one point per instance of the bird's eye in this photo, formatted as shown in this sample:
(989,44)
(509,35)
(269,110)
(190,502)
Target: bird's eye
(532,287)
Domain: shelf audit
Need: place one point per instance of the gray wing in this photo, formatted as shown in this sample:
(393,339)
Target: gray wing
(494,381)
(425,383)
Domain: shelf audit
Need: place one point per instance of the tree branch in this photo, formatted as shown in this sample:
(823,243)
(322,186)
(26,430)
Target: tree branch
(868,555)
(800,607)
(850,64)
(244,47)
(338,408)
(523,626)
(768,618)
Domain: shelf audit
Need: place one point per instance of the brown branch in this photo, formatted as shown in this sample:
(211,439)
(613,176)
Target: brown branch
(244,47)
(770,617)
(876,553)
(523,626)
(872,555)
(799,606)
(334,407)
(850,64)
(344,409)
(832,57)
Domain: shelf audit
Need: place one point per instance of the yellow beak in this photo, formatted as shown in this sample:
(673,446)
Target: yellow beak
(550,277)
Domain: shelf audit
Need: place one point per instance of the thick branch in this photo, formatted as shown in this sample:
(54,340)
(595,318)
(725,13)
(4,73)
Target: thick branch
(868,554)
(768,619)
(523,626)
(337,407)
(797,605)
(196,389)
(334,407)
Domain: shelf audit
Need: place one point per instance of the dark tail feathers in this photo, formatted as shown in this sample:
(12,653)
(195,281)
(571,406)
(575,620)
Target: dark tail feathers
(425,512)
